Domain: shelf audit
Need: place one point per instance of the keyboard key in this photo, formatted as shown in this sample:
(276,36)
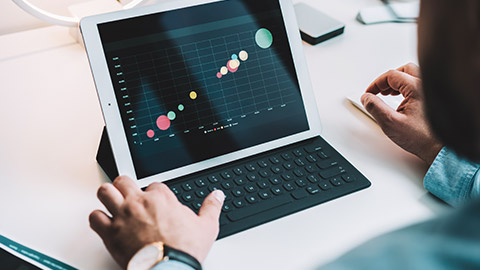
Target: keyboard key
(286,156)
(298,173)
(263,173)
(200,183)
(275,180)
(299,162)
(259,208)
(187,186)
(348,178)
(297,153)
(226,175)
(196,205)
(251,188)
(175,190)
(264,194)
(276,169)
(299,194)
(250,167)
(252,177)
(240,181)
(238,192)
(274,160)
(322,155)
(201,193)
(263,184)
(326,164)
(213,179)
(212,188)
(325,185)
(289,186)
(288,166)
(187,197)
(311,168)
(226,208)
(277,190)
(238,171)
(313,190)
(336,181)
(227,185)
(311,159)
(332,172)
(300,182)
(239,203)
(287,177)
(313,148)
(252,199)
(313,178)
(262,163)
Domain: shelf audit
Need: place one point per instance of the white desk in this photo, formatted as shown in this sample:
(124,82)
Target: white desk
(51,125)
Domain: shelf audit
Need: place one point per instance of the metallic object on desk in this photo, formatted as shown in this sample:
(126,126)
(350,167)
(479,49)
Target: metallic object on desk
(405,12)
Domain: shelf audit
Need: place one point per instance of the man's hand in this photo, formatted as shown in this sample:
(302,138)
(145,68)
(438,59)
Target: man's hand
(407,126)
(139,218)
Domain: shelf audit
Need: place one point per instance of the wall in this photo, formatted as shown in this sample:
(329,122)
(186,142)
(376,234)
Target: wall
(14,19)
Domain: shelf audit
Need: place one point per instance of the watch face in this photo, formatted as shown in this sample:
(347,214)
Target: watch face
(146,257)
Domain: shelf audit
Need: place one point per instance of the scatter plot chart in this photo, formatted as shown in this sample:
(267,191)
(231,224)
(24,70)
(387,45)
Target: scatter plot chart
(200,86)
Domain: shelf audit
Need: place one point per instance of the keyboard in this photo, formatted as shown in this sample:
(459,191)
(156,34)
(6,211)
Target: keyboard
(273,184)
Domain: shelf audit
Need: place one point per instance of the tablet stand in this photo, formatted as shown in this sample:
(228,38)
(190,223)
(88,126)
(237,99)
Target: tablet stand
(105,156)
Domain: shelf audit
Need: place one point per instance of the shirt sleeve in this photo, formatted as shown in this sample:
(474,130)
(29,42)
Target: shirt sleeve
(453,179)
(447,243)
(172,265)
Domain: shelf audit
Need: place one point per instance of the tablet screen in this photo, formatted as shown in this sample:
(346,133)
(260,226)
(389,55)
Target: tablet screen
(199,82)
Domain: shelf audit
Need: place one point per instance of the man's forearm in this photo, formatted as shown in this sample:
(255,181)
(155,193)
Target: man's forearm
(453,179)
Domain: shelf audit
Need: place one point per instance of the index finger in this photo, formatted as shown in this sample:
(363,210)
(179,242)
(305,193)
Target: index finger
(392,80)
(126,186)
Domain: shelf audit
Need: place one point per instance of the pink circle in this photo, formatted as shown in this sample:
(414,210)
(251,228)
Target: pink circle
(150,133)
(219,75)
(229,68)
(163,123)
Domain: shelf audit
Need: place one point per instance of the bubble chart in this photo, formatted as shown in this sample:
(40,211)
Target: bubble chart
(219,75)
(223,70)
(181,107)
(234,57)
(150,133)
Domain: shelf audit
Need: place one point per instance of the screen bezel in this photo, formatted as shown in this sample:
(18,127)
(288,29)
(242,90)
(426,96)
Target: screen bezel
(111,111)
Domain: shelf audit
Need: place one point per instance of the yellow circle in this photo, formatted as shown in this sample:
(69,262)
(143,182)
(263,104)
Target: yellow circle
(224,70)
(243,55)
(193,95)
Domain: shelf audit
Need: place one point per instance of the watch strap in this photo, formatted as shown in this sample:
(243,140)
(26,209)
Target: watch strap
(178,255)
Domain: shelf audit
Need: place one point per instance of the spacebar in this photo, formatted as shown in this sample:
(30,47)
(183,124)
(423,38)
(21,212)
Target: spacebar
(258,208)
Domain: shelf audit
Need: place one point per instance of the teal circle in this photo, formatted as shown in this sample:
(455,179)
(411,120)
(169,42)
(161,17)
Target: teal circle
(181,107)
(234,57)
(171,115)
(264,38)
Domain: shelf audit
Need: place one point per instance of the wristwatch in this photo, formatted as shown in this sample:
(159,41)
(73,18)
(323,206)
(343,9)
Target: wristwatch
(150,255)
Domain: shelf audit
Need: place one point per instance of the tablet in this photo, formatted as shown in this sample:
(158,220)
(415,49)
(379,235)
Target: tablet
(189,85)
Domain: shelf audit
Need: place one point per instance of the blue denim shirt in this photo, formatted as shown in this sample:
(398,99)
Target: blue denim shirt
(451,242)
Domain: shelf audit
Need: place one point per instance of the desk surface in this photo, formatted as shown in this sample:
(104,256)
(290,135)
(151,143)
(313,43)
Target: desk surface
(51,125)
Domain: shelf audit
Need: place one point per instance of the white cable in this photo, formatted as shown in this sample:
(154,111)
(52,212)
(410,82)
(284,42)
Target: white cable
(132,4)
(46,16)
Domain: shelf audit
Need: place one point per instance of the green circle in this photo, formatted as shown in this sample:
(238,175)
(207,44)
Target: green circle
(171,115)
(181,107)
(264,38)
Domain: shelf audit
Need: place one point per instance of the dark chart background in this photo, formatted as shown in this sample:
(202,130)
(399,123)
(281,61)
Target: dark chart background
(193,94)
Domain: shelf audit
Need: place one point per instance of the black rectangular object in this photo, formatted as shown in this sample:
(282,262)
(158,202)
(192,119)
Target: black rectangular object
(263,211)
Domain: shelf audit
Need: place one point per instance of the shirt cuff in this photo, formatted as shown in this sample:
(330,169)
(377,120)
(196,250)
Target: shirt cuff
(172,265)
(452,178)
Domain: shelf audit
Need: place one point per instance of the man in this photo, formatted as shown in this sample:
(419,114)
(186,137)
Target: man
(449,50)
